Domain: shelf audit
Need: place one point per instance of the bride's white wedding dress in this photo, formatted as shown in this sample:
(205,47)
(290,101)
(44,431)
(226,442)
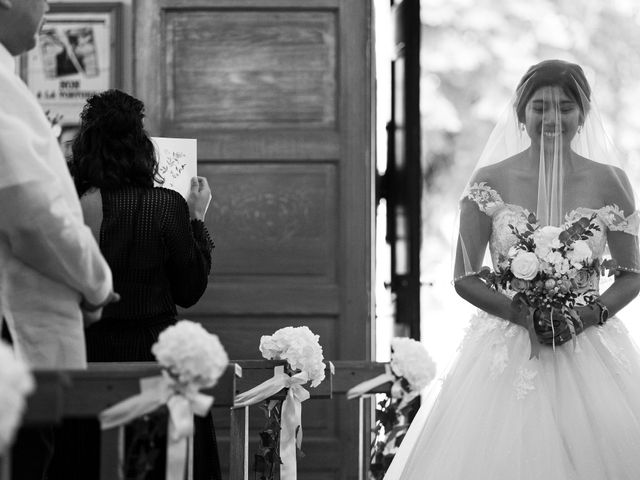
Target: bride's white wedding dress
(571,414)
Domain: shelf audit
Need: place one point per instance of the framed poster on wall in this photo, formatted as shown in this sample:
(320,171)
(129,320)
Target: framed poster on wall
(78,53)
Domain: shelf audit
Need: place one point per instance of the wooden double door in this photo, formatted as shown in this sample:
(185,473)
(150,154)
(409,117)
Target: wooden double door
(279,94)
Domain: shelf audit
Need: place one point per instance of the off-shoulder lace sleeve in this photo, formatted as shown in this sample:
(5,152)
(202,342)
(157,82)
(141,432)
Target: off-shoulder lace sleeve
(487,199)
(623,248)
(615,220)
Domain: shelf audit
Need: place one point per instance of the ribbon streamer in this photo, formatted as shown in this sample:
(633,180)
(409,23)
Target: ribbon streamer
(368,385)
(533,336)
(182,402)
(291,421)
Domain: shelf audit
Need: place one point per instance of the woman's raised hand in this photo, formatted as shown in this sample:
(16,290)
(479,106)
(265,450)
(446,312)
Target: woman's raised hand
(199,198)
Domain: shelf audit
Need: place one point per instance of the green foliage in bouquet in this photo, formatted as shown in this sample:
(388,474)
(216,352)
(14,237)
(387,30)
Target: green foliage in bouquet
(146,437)
(268,454)
(393,417)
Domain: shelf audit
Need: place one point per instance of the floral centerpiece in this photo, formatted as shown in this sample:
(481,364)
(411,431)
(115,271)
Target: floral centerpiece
(281,438)
(412,369)
(16,382)
(549,268)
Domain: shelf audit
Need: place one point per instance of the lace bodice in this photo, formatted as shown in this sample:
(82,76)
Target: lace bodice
(489,201)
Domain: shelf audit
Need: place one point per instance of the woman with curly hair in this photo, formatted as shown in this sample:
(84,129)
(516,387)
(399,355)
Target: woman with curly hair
(159,251)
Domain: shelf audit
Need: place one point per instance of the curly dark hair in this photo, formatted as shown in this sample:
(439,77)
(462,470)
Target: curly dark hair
(112,148)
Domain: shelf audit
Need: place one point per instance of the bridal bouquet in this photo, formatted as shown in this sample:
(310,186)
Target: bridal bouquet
(549,267)
(412,369)
(16,382)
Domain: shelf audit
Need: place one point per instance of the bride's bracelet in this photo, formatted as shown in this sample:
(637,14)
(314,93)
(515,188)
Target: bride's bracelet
(604,312)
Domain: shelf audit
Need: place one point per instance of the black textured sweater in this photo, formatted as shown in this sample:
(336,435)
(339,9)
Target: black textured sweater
(159,259)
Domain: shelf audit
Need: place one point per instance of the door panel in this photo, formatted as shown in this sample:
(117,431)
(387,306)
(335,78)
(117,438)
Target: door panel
(268,69)
(279,95)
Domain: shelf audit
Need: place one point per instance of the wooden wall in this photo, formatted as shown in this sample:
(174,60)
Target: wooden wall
(279,95)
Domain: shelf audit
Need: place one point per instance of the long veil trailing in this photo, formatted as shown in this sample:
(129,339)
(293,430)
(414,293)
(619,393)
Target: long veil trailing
(544,145)
(499,413)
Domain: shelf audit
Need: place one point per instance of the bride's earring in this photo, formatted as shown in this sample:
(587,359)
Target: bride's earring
(522,127)
(579,129)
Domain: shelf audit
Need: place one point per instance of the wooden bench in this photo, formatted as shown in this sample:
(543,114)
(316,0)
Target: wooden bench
(86,393)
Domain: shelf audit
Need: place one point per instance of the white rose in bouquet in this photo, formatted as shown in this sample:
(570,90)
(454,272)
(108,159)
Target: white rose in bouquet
(546,238)
(410,360)
(525,265)
(579,254)
(16,382)
(191,354)
(299,347)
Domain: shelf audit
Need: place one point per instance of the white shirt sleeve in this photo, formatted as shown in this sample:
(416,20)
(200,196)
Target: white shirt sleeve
(41,232)
(40,215)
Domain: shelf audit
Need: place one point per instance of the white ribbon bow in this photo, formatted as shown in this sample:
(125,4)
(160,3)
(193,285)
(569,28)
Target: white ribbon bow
(291,421)
(368,385)
(182,402)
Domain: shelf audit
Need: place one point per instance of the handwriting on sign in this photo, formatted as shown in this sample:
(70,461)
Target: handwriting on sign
(172,168)
(177,162)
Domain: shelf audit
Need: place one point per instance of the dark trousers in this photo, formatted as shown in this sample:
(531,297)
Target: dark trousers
(32,448)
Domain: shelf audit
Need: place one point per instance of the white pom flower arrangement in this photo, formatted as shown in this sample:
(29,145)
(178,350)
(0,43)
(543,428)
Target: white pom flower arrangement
(190,354)
(299,347)
(16,382)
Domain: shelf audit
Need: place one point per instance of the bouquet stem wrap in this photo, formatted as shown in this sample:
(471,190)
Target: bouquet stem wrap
(533,339)
(291,433)
(182,402)
(368,385)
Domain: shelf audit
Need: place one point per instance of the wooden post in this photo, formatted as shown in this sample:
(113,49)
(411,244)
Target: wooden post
(112,454)
(349,374)
(5,465)
(239,444)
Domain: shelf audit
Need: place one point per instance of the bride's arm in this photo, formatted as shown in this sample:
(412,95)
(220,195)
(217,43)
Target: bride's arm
(476,292)
(623,247)
(626,285)
(475,229)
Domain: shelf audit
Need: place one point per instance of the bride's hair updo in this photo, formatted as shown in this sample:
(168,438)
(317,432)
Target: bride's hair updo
(568,76)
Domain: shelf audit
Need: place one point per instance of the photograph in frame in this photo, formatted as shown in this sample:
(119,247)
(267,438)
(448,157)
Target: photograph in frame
(75,57)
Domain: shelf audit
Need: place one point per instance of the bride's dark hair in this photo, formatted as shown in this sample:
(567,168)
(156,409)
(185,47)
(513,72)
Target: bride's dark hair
(568,76)
(112,149)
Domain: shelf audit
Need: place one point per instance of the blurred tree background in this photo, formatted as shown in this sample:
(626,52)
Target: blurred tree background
(473,55)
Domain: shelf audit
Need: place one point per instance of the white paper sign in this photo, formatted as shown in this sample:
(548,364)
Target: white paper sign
(177,162)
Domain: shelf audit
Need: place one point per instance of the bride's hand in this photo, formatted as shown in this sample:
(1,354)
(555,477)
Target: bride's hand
(589,315)
(547,335)
(520,311)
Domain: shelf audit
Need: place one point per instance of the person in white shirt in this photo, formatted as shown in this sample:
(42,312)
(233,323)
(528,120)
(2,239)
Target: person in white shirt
(52,273)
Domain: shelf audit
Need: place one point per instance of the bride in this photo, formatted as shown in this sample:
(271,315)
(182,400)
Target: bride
(533,394)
